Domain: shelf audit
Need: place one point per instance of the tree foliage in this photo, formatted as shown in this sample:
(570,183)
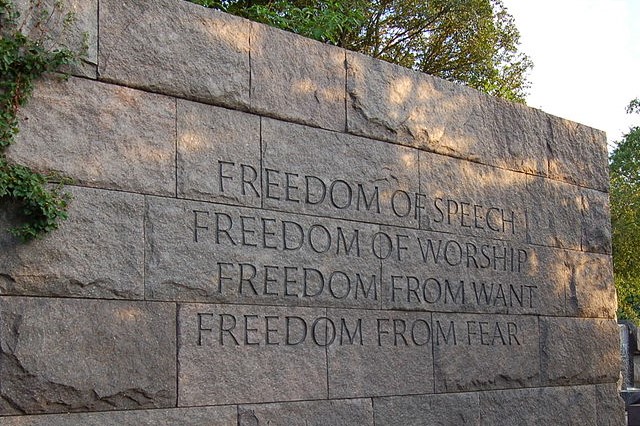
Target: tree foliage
(624,164)
(474,42)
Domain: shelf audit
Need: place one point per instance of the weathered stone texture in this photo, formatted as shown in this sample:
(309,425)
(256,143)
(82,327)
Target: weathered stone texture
(62,355)
(97,252)
(482,352)
(395,104)
(267,354)
(337,175)
(100,135)
(216,253)
(539,406)
(590,290)
(210,416)
(443,409)
(579,351)
(578,154)
(177,48)
(390,355)
(554,213)
(596,222)
(350,412)
(218,154)
(80,35)
(296,78)
(609,406)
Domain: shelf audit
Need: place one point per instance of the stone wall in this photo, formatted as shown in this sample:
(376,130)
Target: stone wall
(269,230)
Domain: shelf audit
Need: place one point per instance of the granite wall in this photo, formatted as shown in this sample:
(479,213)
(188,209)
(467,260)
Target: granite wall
(269,230)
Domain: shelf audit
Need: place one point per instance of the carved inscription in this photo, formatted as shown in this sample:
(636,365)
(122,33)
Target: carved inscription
(291,237)
(229,329)
(289,187)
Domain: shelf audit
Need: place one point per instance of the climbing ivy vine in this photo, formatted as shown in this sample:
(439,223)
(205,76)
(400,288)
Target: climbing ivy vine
(27,52)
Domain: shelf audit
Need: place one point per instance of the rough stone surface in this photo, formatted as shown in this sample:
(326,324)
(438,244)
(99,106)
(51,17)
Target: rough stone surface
(590,291)
(609,406)
(482,352)
(467,198)
(97,252)
(229,254)
(101,135)
(444,409)
(540,406)
(218,154)
(554,215)
(395,104)
(62,355)
(143,43)
(572,141)
(296,78)
(579,351)
(263,357)
(337,175)
(390,355)
(80,35)
(351,412)
(210,416)
(596,222)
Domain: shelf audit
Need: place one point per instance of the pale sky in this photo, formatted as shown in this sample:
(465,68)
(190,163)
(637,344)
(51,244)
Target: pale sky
(586,56)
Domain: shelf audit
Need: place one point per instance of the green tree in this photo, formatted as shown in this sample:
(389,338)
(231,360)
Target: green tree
(474,42)
(624,164)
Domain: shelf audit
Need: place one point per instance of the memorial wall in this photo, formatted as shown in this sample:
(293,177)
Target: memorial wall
(268,230)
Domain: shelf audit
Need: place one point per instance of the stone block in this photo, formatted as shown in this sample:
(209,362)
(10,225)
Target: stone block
(609,405)
(596,222)
(554,215)
(231,354)
(467,198)
(348,412)
(576,351)
(443,409)
(325,173)
(483,352)
(80,35)
(100,135)
(578,154)
(65,355)
(176,48)
(97,252)
(197,416)
(379,353)
(296,78)
(218,155)
(590,288)
(440,272)
(574,406)
(399,105)
(215,253)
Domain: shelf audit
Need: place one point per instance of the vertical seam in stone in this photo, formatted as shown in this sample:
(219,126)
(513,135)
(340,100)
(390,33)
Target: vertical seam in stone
(541,379)
(145,210)
(98,40)
(261,166)
(373,411)
(251,26)
(346,72)
(433,355)
(177,353)
(176,145)
(326,349)
(419,190)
